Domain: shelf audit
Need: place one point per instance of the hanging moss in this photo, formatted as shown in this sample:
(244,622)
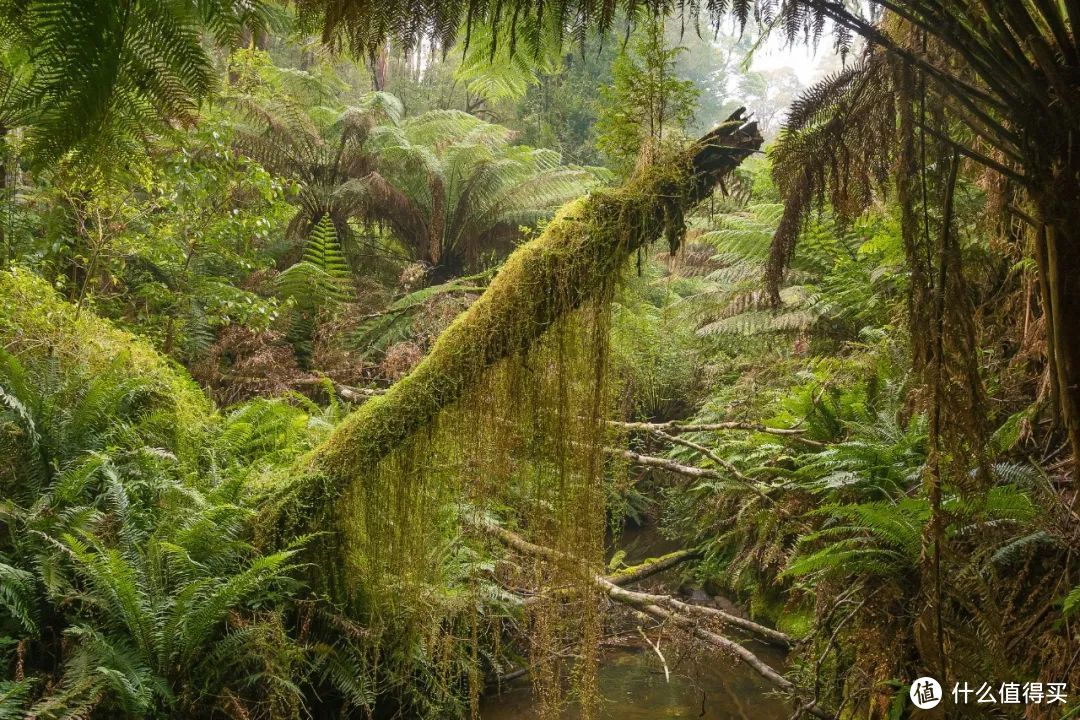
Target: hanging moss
(506,411)
(574,260)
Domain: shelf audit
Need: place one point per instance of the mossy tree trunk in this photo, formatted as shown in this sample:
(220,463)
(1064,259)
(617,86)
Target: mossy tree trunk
(573,261)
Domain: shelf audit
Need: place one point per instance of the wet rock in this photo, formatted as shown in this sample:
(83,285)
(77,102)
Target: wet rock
(700,597)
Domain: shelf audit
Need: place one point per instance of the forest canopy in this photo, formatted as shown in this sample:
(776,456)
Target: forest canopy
(492,359)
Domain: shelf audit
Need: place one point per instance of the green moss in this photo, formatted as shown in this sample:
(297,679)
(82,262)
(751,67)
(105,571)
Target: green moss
(576,259)
(796,623)
(505,411)
(37,325)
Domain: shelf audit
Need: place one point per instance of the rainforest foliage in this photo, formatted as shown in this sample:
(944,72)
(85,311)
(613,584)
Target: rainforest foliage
(340,342)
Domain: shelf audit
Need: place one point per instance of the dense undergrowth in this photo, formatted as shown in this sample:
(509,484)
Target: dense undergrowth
(269,369)
(825,532)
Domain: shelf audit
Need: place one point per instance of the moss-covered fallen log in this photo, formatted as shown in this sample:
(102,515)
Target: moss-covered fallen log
(575,260)
(650,567)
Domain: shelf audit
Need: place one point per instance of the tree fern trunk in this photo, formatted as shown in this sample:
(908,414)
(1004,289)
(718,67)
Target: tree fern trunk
(573,261)
(1062,285)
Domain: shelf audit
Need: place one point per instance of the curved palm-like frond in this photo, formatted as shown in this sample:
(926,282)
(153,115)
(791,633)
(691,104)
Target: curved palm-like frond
(317,283)
(145,68)
(448,183)
(533,25)
(828,280)
(394,323)
(445,183)
(501,61)
(329,154)
(840,135)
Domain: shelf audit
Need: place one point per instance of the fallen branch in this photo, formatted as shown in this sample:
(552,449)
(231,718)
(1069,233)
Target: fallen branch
(677,426)
(668,610)
(650,567)
(630,597)
(635,598)
(345,392)
(687,470)
(656,649)
(664,464)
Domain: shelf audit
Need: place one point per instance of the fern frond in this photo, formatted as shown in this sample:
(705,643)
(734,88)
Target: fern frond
(19,596)
(392,324)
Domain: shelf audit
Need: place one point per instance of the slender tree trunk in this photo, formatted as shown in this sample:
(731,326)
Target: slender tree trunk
(1060,279)
(5,208)
(1042,262)
(1063,283)
(437,227)
(378,62)
(933,479)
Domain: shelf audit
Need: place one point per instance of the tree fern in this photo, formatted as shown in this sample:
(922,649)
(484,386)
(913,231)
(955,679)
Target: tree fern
(146,67)
(324,151)
(829,283)
(879,458)
(498,70)
(315,285)
(451,187)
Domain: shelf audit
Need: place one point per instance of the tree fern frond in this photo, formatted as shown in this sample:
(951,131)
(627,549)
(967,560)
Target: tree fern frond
(146,68)
(392,325)
(1071,603)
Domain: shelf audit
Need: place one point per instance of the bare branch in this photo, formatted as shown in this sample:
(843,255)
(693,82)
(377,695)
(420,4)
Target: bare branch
(679,426)
(669,610)
(686,470)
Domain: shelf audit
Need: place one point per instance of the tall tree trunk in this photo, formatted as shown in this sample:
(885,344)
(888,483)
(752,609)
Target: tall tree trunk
(1042,263)
(5,207)
(378,64)
(437,225)
(1059,207)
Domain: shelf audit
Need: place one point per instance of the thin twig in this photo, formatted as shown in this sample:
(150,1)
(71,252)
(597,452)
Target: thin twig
(656,648)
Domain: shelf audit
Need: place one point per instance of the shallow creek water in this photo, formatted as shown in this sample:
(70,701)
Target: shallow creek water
(632,680)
